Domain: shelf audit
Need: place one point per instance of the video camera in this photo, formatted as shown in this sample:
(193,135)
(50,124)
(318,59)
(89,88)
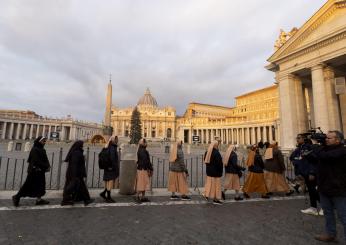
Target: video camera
(315,134)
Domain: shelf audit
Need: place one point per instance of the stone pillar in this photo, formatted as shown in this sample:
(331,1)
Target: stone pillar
(265,138)
(270,133)
(31,131)
(259,137)
(238,136)
(25,131)
(311,107)
(3,136)
(332,100)
(288,111)
(248,141)
(320,98)
(302,118)
(19,128)
(49,131)
(11,131)
(253,136)
(123,128)
(37,130)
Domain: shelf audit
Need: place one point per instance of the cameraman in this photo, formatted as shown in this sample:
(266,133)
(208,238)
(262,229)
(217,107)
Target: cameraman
(305,168)
(331,181)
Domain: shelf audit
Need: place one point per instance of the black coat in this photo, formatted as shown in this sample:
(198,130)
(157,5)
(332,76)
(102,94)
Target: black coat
(276,164)
(331,170)
(215,167)
(113,172)
(258,164)
(38,160)
(302,164)
(232,166)
(143,157)
(75,187)
(35,183)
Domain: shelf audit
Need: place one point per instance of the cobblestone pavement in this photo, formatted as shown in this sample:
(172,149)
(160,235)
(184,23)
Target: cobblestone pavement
(249,222)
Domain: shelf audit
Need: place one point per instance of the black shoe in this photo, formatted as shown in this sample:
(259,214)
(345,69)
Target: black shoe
(185,198)
(206,198)
(266,196)
(144,199)
(138,200)
(270,193)
(103,195)
(217,202)
(65,203)
(15,200)
(296,187)
(110,200)
(87,202)
(42,202)
(238,198)
(289,193)
(174,197)
(246,195)
(223,195)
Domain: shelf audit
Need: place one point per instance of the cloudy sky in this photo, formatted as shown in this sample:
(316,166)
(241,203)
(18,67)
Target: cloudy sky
(56,55)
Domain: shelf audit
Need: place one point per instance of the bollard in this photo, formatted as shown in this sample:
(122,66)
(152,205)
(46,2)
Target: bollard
(128,171)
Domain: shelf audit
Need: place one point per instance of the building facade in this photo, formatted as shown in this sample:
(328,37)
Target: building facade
(27,125)
(157,123)
(307,64)
(254,118)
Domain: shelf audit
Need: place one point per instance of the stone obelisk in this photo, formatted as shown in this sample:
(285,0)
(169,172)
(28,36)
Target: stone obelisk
(107,129)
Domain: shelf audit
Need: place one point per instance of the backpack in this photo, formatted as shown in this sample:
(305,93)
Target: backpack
(104,159)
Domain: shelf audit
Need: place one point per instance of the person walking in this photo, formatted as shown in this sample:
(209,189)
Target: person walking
(144,172)
(233,172)
(75,188)
(177,179)
(35,183)
(111,173)
(255,179)
(331,183)
(274,167)
(214,170)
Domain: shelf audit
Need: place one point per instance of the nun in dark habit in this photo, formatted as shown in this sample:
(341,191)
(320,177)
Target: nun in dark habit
(35,183)
(75,188)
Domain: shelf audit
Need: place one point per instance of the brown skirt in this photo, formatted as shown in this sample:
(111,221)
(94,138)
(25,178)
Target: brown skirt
(232,182)
(177,182)
(212,187)
(255,183)
(275,182)
(142,180)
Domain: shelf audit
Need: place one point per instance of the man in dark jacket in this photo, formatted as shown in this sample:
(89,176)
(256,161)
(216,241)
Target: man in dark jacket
(331,182)
(303,167)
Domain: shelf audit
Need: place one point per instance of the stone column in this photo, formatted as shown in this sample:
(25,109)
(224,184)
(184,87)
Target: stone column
(288,111)
(49,131)
(265,138)
(259,136)
(248,141)
(123,128)
(270,133)
(253,136)
(17,132)
(3,136)
(311,107)
(302,117)
(25,131)
(332,100)
(37,130)
(320,98)
(11,131)
(238,136)
(31,131)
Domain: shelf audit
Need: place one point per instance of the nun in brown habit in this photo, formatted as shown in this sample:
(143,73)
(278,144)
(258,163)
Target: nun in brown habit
(274,167)
(144,172)
(233,172)
(255,179)
(214,169)
(177,179)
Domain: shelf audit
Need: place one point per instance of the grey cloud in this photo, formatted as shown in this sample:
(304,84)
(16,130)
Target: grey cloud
(60,53)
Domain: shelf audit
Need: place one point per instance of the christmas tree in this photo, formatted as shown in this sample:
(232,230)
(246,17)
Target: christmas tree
(136,127)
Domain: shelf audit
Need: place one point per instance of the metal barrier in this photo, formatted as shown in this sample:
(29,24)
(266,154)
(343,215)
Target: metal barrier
(13,171)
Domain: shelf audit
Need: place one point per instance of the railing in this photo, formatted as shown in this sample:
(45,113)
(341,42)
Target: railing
(13,171)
